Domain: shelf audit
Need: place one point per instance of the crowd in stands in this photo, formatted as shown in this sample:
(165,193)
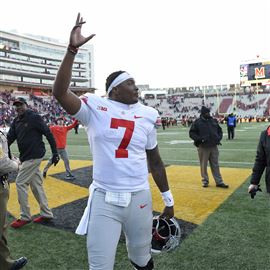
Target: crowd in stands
(49,109)
(174,110)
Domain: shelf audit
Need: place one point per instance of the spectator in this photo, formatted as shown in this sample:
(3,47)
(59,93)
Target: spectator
(207,134)
(27,128)
(59,132)
(7,165)
(262,161)
(122,135)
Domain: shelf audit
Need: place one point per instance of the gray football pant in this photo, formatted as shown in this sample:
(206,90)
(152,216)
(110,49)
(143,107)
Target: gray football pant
(29,174)
(5,260)
(105,225)
(209,154)
(64,155)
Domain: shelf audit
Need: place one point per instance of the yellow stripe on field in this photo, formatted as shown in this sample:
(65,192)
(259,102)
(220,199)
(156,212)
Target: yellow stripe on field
(194,203)
(58,192)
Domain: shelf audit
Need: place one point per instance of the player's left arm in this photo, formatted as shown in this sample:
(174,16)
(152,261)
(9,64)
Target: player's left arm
(158,172)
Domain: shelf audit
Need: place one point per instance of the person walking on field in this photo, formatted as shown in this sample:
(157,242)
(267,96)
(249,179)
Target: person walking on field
(207,134)
(231,124)
(28,128)
(122,136)
(7,165)
(59,132)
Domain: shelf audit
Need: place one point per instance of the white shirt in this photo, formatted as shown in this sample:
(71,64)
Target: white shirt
(118,135)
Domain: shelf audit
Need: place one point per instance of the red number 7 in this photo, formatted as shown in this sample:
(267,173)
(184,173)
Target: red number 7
(122,152)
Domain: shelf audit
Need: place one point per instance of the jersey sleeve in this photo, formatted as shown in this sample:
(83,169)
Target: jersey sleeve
(152,136)
(87,104)
(151,140)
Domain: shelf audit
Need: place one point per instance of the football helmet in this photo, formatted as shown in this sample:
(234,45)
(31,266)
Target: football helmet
(166,234)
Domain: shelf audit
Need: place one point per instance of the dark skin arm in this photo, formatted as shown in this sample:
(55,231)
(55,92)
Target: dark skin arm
(158,172)
(69,101)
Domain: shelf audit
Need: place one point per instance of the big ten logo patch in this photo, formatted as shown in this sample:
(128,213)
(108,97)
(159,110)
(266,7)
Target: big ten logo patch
(101,108)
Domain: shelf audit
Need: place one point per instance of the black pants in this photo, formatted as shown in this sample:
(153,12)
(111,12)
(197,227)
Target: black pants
(230,132)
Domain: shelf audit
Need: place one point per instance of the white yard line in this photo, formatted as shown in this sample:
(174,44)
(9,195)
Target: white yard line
(220,149)
(220,161)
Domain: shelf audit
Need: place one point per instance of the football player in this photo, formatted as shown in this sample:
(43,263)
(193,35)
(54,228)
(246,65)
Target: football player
(122,136)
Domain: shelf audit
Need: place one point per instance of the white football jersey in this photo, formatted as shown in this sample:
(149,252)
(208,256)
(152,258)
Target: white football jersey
(118,135)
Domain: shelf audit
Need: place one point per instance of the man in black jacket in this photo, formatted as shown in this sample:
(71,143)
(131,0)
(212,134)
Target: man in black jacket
(207,134)
(27,128)
(262,161)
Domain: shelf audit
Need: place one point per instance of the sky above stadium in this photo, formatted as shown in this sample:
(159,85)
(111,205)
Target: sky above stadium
(163,43)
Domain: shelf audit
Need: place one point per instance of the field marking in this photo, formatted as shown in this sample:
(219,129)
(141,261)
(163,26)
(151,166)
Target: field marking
(178,142)
(171,133)
(197,161)
(194,203)
(58,192)
(182,160)
(220,149)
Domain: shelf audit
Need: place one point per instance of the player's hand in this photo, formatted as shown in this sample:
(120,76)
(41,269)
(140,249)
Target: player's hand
(55,159)
(76,38)
(252,190)
(14,158)
(168,212)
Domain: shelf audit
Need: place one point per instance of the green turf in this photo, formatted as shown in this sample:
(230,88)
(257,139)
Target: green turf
(236,236)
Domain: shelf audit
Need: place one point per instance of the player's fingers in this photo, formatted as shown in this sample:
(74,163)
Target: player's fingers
(78,19)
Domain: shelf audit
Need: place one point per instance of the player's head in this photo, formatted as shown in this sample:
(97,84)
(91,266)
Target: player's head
(121,87)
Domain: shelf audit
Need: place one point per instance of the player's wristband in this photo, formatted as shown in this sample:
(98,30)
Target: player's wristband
(72,49)
(167,198)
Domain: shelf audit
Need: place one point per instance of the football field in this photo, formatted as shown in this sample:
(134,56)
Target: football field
(221,229)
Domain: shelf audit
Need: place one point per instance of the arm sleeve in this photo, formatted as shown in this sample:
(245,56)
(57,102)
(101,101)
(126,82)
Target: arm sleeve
(44,129)
(193,132)
(220,132)
(11,136)
(260,162)
(152,135)
(73,125)
(84,114)
(151,140)
(6,164)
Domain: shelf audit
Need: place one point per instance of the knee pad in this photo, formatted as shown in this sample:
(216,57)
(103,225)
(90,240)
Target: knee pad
(149,266)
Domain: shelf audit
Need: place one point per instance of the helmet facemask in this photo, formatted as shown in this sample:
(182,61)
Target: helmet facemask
(166,235)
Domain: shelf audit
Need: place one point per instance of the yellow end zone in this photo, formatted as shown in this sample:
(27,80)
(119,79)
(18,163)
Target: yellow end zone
(58,192)
(194,203)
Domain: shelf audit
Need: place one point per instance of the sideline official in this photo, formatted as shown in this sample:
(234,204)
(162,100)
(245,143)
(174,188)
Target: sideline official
(207,134)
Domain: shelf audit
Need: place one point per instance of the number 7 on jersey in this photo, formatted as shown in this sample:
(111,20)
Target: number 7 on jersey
(122,151)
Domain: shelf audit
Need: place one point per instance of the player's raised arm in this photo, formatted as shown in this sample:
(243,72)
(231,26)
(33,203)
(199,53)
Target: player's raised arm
(69,101)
